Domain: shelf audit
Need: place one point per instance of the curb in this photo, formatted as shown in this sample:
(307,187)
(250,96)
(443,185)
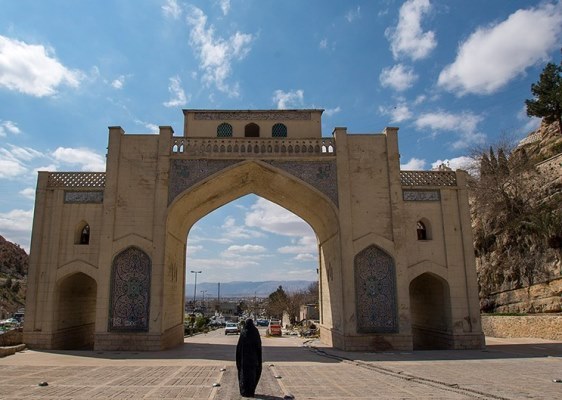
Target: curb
(9,350)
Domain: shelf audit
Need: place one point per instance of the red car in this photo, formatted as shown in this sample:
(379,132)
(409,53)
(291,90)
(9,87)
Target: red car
(274,328)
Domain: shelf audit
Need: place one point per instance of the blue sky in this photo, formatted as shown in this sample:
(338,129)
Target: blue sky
(452,74)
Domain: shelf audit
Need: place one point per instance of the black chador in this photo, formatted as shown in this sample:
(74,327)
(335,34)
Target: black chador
(248,359)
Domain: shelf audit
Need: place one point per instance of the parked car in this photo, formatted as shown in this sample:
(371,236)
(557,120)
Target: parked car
(274,328)
(231,327)
(262,322)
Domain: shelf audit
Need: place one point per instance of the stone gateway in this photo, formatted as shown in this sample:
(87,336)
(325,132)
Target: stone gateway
(108,250)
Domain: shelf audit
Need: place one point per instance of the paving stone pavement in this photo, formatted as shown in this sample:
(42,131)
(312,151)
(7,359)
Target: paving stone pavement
(507,369)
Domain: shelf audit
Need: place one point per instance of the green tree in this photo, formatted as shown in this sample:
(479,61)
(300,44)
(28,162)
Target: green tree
(547,103)
(278,302)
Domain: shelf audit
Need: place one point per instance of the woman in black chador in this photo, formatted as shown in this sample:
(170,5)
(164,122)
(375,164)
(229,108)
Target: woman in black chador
(248,359)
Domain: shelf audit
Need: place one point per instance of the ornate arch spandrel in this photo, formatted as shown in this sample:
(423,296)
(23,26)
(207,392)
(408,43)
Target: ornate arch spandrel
(375,286)
(130,291)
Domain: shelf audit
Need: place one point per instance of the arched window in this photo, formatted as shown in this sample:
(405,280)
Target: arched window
(224,130)
(82,235)
(422,231)
(279,130)
(252,130)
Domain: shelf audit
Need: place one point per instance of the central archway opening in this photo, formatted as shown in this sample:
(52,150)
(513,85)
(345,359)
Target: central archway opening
(241,255)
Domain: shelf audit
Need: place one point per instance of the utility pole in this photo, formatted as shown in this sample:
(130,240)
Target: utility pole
(219,298)
(195,287)
(203,301)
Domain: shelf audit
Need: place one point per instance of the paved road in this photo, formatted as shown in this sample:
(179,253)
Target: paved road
(204,368)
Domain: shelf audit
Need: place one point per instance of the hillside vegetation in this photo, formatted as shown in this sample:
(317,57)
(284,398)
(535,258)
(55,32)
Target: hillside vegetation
(516,210)
(14,263)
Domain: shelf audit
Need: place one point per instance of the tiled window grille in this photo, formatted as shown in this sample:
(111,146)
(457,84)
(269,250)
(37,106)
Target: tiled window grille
(279,130)
(224,130)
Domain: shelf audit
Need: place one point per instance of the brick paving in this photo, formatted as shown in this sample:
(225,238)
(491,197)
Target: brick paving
(507,369)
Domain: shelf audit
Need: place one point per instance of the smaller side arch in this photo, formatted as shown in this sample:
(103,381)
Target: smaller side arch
(421,267)
(82,233)
(76,266)
(430,312)
(75,311)
(252,130)
(423,229)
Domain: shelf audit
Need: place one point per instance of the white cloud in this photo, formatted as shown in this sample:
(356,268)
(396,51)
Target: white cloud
(10,168)
(272,218)
(531,123)
(305,257)
(216,54)
(86,158)
(31,69)
(414,164)
(408,38)
(304,244)
(496,54)
(352,15)
(400,112)
(332,111)
(15,226)
(246,249)
(172,9)
(28,193)
(225,6)
(13,161)
(465,124)
(286,100)
(226,263)
(178,95)
(399,77)
(323,44)
(233,231)
(118,82)
(467,163)
(8,127)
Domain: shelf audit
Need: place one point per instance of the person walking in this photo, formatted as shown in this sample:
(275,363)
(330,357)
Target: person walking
(248,359)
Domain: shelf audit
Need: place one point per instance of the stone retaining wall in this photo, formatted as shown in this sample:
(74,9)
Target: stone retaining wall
(11,338)
(529,326)
(539,298)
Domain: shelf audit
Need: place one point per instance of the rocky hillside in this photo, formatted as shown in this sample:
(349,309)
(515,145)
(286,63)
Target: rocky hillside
(517,222)
(14,262)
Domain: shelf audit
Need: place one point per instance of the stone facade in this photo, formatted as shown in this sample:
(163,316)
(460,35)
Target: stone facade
(396,264)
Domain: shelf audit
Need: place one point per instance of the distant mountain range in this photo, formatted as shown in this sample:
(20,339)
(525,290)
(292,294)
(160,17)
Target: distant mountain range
(243,288)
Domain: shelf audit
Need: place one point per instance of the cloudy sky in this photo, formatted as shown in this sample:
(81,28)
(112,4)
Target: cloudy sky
(452,74)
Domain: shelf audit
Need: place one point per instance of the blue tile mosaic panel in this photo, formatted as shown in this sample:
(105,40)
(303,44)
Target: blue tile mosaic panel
(130,291)
(375,285)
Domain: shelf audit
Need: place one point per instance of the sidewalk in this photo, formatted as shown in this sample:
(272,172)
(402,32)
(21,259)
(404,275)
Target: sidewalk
(204,368)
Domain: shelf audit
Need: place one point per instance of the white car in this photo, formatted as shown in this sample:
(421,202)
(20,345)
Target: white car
(231,327)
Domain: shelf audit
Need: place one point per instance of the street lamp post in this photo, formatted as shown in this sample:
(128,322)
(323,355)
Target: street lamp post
(195,287)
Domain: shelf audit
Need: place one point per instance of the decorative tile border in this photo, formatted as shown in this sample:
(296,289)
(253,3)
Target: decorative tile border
(130,291)
(375,286)
(83,197)
(421,195)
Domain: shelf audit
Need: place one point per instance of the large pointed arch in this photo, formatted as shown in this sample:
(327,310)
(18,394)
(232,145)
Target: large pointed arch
(260,179)
(264,180)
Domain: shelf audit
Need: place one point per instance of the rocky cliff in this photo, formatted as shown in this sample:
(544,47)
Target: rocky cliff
(14,262)
(517,222)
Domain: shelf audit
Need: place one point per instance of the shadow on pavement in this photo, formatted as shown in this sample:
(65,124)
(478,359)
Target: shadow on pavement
(326,355)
